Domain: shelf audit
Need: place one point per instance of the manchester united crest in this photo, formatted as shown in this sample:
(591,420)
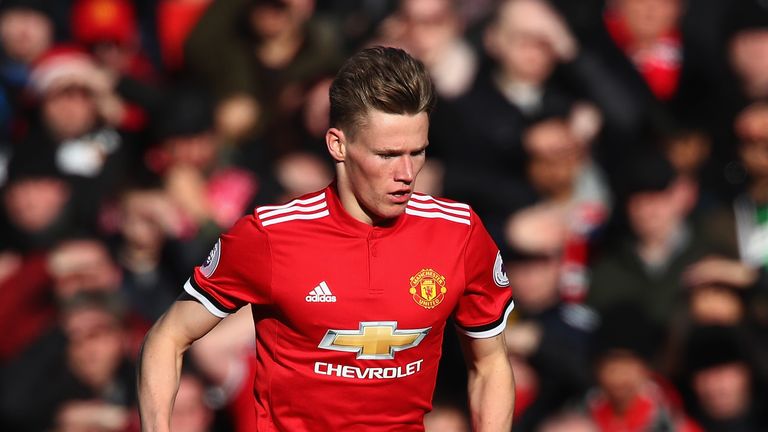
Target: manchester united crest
(428,288)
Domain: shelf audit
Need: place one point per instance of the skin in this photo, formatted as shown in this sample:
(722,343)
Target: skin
(375,173)
(377,167)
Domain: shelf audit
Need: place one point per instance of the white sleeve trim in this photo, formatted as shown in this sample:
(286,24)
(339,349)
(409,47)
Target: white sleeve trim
(490,332)
(204,301)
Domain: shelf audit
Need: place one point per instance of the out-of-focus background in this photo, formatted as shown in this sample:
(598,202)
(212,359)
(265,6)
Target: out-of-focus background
(617,151)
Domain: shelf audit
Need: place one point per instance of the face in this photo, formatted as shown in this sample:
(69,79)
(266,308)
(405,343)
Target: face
(25,34)
(431,24)
(654,215)
(69,112)
(141,227)
(197,151)
(445,419)
(95,346)
(34,204)
(723,391)
(190,413)
(536,282)
(649,19)
(377,167)
(621,377)
(80,265)
(522,50)
(754,157)
(749,58)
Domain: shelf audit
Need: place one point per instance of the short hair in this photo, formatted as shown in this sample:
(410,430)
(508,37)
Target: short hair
(379,78)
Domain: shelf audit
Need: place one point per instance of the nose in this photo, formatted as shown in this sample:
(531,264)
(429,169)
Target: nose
(404,170)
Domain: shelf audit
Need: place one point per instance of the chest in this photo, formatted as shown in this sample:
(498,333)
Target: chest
(323,280)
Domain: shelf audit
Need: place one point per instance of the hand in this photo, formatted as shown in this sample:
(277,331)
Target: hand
(719,270)
(186,187)
(523,338)
(91,415)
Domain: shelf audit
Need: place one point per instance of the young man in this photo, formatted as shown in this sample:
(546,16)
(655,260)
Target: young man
(351,286)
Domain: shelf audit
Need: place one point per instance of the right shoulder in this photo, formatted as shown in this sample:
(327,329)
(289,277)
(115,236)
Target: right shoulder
(307,207)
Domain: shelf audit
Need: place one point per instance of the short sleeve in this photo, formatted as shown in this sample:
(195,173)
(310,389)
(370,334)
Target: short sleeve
(236,272)
(486,303)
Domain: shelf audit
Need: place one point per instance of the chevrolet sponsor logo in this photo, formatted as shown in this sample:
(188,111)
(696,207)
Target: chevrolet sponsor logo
(374,340)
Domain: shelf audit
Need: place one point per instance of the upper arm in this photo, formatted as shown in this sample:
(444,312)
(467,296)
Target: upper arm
(184,322)
(483,352)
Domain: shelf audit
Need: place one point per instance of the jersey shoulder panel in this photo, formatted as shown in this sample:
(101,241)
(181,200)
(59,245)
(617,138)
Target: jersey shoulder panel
(308,207)
(439,209)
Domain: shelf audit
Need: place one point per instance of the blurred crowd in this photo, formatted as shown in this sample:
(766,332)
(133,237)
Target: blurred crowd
(617,150)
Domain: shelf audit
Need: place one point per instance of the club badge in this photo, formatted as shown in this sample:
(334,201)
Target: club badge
(428,288)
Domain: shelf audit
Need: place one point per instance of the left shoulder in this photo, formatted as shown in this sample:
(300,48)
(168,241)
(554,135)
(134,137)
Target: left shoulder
(440,209)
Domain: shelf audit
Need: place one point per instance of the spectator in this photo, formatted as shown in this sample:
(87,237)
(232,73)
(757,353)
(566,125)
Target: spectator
(191,412)
(76,103)
(480,134)
(726,389)
(269,52)
(26,33)
(561,171)
(644,264)
(39,206)
(210,190)
(148,252)
(431,30)
(446,418)
(83,367)
(547,329)
(629,396)
(108,30)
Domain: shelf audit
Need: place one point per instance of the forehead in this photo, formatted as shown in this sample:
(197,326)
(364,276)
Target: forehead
(380,130)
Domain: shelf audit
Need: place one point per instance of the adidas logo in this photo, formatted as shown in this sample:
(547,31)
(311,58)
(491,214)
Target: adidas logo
(321,294)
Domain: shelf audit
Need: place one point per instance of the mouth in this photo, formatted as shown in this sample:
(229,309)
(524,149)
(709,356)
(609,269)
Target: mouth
(401,196)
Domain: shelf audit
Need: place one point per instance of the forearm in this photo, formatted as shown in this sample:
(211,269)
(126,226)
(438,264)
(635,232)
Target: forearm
(492,395)
(158,378)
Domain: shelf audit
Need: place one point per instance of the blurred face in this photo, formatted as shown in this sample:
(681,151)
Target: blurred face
(141,227)
(82,265)
(688,153)
(654,215)
(189,411)
(723,391)
(754,157)
(269,21)
(749,58)
(198,151)
(34,204)
(555,158)
(621,376)
(522,55)
(25,34)
(713,305)
(379,164)
(431,24)
(69,112)
(522,49)
(648,20)
(445,420)
(535,282)
(95,346)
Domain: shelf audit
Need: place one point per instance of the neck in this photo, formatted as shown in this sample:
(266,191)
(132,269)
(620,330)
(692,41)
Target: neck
(348,198)
(278,51)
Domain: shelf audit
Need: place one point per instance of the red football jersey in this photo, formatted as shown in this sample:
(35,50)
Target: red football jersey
(349,317)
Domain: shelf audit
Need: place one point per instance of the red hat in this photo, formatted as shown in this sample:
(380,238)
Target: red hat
(96,21)
(62,65)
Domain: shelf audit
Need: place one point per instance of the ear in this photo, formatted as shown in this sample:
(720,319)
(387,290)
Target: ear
(336,143)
